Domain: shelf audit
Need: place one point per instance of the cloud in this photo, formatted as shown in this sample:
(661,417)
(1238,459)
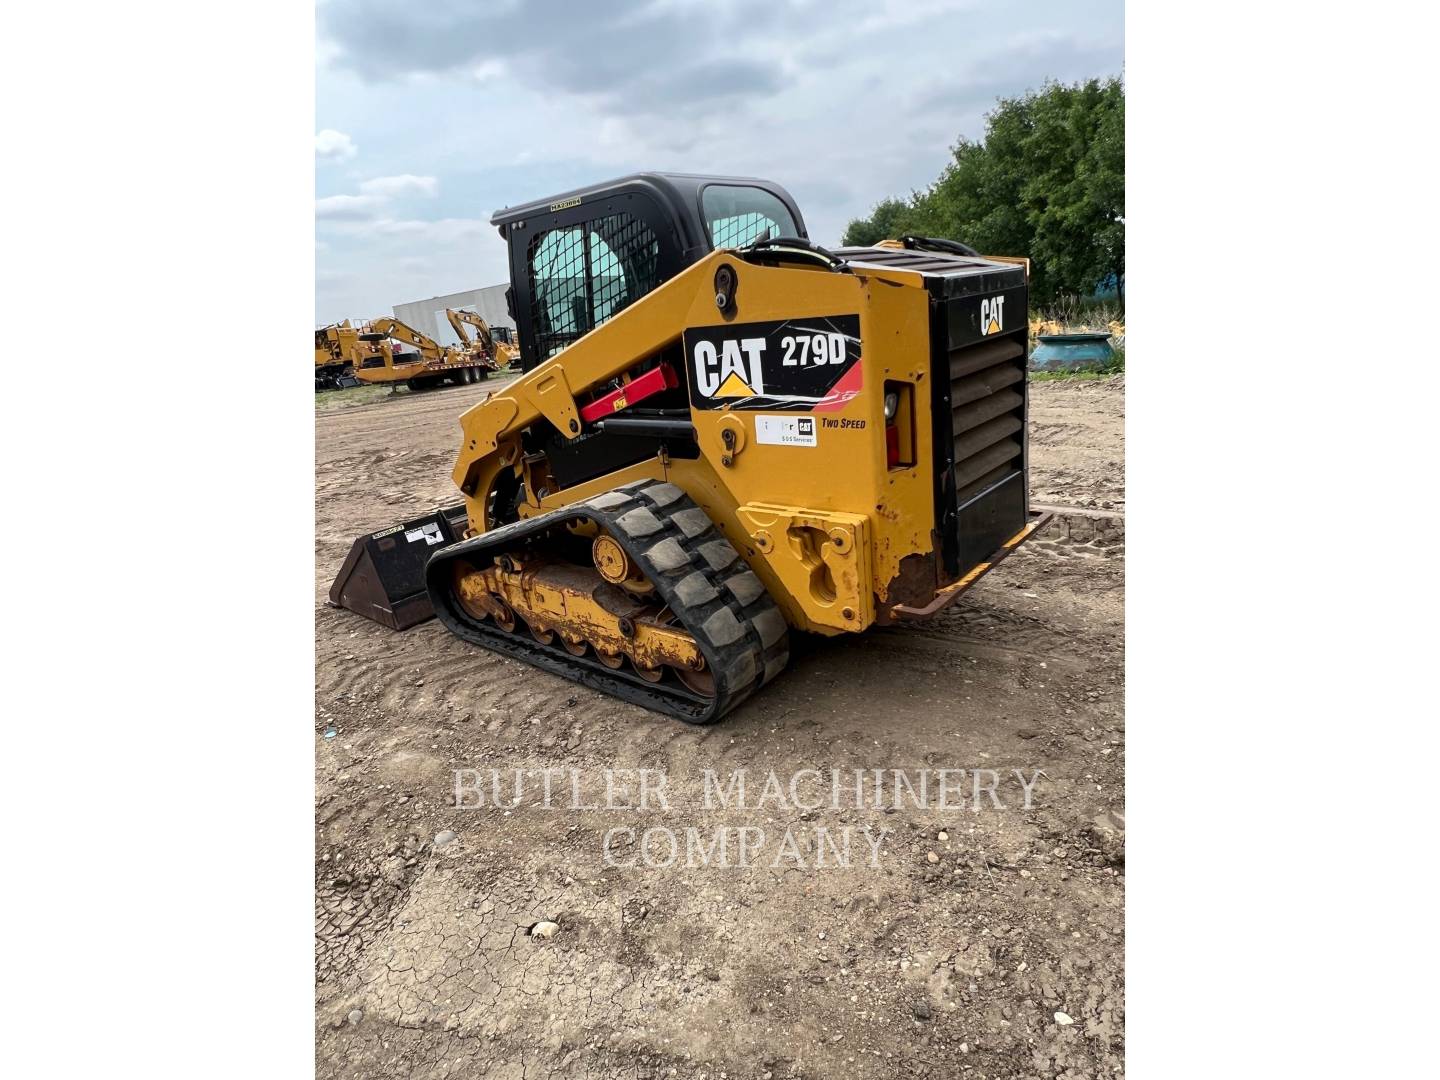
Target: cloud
(441,231)
(1024,63)
(880,15)
(844,102)
(488,70)
(711,80)
(375,265)
(375,195)
(332,145)
(386,187)
(348,207)
(637,56)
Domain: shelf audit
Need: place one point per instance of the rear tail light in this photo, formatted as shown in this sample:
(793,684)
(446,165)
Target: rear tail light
(892,445)
(899,412)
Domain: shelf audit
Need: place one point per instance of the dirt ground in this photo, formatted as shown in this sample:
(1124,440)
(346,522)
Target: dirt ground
(960,938)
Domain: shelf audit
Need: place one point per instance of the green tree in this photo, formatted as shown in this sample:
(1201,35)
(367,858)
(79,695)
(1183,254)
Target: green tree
(885,222)
(1047,181)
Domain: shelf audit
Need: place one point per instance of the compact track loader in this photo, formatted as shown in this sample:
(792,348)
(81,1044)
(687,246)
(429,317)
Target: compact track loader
(722,433)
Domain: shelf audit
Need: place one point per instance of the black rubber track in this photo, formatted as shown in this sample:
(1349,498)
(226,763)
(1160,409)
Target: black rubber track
(696,571)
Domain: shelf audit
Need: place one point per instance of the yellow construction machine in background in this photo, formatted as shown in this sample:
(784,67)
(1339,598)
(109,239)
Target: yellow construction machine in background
(339,350)
(492,346)
(427,364)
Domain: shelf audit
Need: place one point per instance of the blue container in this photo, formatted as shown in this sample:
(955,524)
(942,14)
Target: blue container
(1071,352)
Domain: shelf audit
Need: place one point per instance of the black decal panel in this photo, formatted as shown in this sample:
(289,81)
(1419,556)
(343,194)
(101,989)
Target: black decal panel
(801,365)
(979,317)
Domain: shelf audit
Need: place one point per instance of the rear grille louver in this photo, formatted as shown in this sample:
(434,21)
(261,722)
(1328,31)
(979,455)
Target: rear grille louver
(978,335)
(987,414)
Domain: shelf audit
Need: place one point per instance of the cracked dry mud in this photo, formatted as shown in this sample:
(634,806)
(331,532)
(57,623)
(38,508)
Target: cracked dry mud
(955,967)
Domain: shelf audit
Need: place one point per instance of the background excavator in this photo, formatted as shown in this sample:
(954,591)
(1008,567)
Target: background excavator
(493,347)
(428,364)
(723,434)
(338,352)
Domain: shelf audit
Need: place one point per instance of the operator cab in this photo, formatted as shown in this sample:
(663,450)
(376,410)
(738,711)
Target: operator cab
(578,258)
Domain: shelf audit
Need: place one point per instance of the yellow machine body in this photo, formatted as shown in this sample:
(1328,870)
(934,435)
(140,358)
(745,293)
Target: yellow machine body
(827,528)
(340,344)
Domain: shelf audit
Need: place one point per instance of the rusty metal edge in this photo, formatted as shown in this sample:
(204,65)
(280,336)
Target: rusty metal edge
(947,596)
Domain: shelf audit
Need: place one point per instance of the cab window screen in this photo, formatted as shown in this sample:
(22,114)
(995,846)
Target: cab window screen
(583,274)
(558,266)
(738,215)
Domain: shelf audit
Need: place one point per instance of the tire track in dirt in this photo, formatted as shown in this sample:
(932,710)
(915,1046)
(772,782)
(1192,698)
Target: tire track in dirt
(743,970)
(1077,442)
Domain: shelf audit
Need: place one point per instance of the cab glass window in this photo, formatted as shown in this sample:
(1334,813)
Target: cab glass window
(737,215)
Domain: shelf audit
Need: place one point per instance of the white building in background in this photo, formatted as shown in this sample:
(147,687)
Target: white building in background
(428,316)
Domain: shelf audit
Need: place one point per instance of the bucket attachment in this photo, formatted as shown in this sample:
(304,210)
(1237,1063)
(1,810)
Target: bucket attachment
(383,577)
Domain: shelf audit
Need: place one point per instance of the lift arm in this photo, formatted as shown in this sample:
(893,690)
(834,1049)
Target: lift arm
(459,317)
(492,427)
(430,350)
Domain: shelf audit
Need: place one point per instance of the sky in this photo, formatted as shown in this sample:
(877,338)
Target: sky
(432,115)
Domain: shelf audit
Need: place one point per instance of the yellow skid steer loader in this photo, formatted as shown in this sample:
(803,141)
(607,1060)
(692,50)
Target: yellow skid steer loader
(722,432)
